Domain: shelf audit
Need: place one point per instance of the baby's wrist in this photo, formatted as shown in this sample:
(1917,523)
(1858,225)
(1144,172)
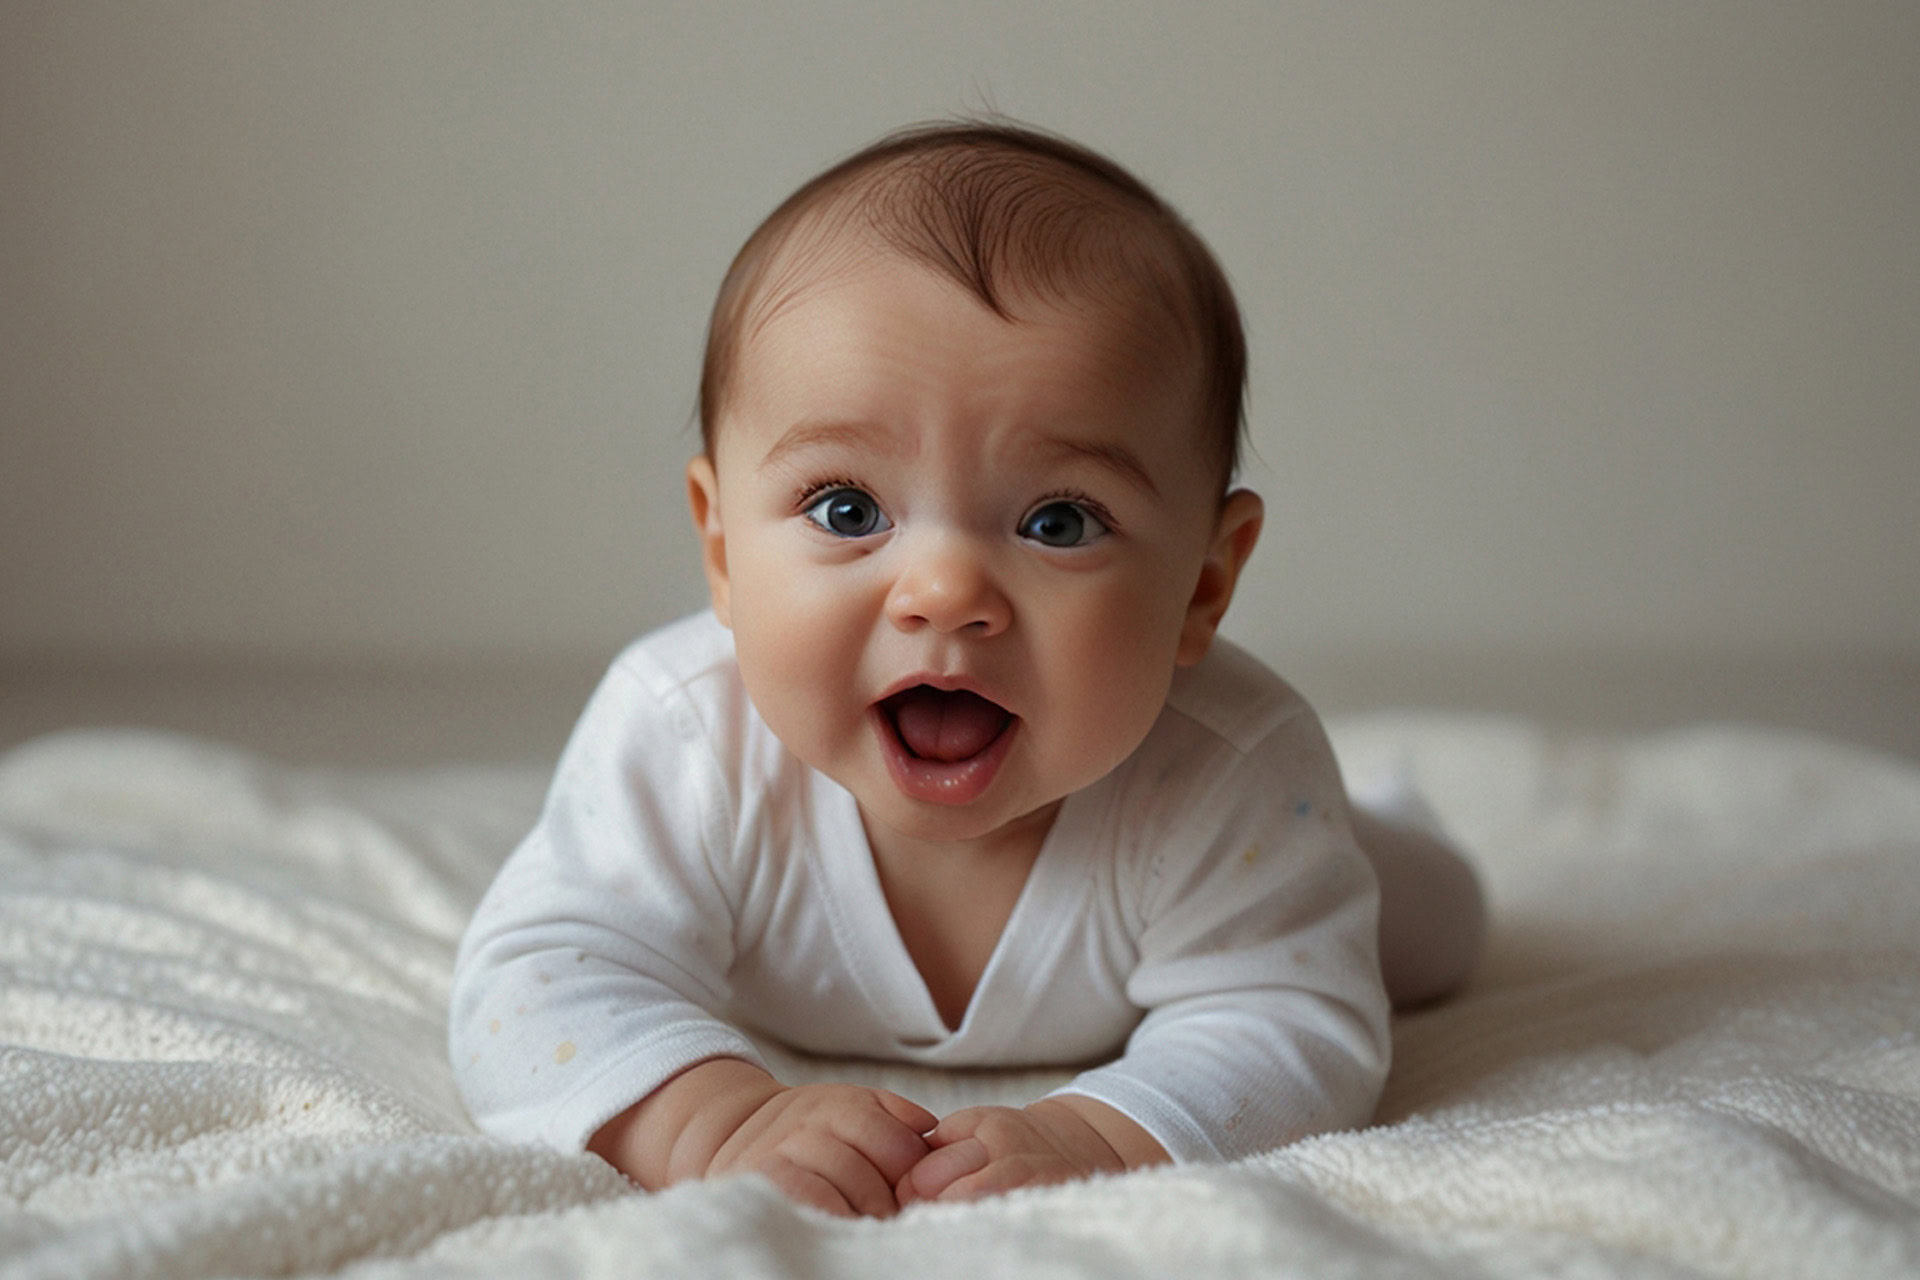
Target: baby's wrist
(1112,1142)
(719,1098)
(674,1132)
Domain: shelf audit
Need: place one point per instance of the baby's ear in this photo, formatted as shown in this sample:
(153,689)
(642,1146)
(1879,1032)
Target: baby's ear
(703,497)
(1234,534)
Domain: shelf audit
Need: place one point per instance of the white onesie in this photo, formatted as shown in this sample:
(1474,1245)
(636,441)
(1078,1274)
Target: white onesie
(1203,908)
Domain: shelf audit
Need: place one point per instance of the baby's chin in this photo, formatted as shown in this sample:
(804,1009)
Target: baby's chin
(955,824)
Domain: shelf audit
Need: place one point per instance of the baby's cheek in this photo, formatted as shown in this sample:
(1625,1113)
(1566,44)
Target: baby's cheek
(1117,688)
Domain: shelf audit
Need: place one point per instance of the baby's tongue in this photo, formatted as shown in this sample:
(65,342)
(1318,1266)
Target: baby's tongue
(938,724)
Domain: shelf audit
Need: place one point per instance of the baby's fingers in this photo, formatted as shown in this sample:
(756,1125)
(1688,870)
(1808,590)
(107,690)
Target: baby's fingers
(804,1186)
(911,1114)
(888,1136)
(1002,1176)
(833,1176)
(941,1168)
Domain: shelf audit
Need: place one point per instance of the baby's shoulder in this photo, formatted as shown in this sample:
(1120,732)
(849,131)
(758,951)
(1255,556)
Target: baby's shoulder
(1230,732)
(682,683)
(1237,762)
(690,653)
(686,667)
(1232,699)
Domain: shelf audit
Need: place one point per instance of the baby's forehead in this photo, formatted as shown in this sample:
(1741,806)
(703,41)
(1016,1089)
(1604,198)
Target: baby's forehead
(1127,293)
(837,307)
(869,355)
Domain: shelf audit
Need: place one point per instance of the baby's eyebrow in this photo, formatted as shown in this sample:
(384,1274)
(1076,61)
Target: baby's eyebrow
(1116,458)
(861,436)
(866,437)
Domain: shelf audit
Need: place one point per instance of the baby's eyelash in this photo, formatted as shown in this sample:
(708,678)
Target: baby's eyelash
(803,496)
(1086,500)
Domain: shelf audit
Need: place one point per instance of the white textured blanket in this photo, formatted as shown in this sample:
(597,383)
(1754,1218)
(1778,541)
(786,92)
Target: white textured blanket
(1692,1050)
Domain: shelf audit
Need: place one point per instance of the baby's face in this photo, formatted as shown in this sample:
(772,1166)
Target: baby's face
(960,556)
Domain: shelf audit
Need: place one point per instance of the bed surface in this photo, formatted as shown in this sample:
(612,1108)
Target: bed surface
(1692,1049)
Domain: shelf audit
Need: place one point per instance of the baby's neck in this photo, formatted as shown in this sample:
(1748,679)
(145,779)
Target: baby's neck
(951,900)
(1018,841)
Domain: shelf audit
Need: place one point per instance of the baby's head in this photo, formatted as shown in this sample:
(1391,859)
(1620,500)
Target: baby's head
(1009,214)
(970,407)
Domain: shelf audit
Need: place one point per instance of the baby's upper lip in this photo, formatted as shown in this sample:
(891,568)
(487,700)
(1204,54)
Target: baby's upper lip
(946,681)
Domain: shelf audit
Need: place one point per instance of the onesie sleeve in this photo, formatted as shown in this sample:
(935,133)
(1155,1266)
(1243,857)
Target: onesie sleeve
(587,974)
(1258,971)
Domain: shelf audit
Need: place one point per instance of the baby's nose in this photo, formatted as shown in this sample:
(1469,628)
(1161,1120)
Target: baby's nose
(949,586)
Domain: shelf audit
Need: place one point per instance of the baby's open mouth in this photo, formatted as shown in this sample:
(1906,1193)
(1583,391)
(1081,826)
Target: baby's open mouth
(946,725)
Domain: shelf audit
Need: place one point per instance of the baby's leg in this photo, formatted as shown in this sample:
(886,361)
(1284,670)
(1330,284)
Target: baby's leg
(1433,916)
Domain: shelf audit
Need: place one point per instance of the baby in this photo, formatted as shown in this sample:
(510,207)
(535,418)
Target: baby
(955,771)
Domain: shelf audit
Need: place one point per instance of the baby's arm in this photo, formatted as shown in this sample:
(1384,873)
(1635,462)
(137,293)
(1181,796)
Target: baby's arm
(1258,970)
(589,975)
(841,1148)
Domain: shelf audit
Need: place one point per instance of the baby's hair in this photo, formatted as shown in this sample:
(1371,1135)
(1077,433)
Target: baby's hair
(1000,209)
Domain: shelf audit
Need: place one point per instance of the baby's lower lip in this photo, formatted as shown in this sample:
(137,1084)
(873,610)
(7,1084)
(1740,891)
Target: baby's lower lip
(954,782)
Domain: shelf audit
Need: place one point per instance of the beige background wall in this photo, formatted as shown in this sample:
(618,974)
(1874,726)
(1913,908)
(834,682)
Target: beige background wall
(367,331)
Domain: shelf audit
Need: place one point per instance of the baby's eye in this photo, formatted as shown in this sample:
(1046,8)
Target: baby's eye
(850,513)
(1062,524)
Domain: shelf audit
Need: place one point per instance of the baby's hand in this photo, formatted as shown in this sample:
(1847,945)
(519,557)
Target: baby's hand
(838,1147)
(984,1151)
